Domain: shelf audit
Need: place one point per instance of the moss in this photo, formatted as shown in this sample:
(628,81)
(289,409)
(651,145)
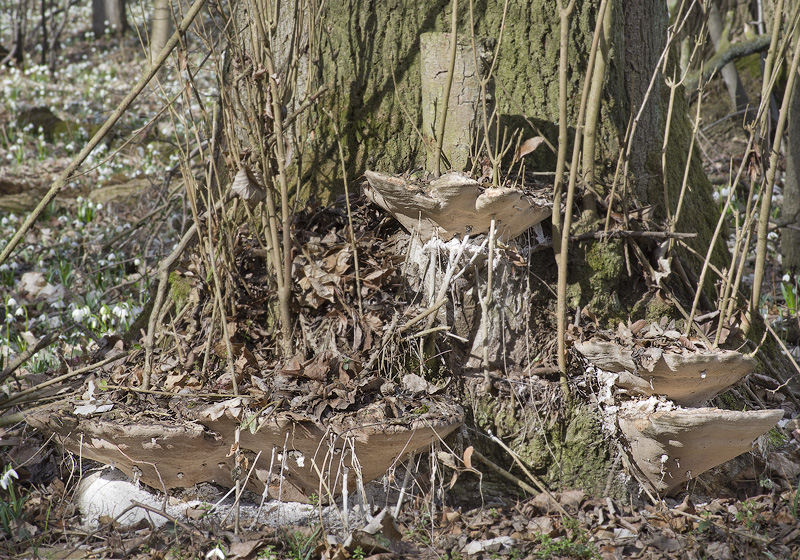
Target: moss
(751,64)
(180,288)
(598,271)
(570,452)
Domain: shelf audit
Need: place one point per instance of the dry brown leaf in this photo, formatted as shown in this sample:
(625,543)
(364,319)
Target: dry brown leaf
(468,457)
(529,145)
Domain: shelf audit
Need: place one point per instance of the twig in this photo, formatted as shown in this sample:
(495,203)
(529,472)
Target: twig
(432,309)
(628,234)
(64,377)
(528,473)
(447,86)
(505,474)
(45,341)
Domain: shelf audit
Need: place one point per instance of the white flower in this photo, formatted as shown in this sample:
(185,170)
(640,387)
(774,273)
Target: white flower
(772,236)
(5,481)
(80,313)
(136,262)
(99,206)
(786,278)
(11,302)
(215,553)
(19,312)
(120,311)
(111,257)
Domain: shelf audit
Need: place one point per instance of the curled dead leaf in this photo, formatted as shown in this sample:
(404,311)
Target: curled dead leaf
(529,145)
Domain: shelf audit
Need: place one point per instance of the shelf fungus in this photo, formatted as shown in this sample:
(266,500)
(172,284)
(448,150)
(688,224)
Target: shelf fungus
(661,389)
(181,453)
(686,378)
(455,204)
(670,447)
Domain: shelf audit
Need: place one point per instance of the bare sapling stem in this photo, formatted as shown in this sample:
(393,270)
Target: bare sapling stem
(593,114)
(440,126)
(766,197)
(494,155)
(349,212)
(563,250)
(558,186)
(285,293)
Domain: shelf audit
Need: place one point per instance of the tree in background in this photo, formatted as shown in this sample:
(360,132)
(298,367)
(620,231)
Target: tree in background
(108,14)
(161,27)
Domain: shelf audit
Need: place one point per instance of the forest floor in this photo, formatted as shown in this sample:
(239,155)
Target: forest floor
(86,269)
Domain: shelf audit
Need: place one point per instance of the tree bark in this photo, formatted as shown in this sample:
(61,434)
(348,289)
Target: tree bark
(161,27)
(368,53)
(108,13)
(790,212)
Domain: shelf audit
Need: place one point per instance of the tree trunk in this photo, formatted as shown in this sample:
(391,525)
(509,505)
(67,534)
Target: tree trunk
(108,14)
(790,212)
(368,53)
(161,27)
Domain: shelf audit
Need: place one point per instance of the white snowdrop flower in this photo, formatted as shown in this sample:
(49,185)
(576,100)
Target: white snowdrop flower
(5,481)
(120,311)
(99,206)
(772,236)
(137,262)
(14,265)
(111,257)
(215,553)
(786,278)
(4,221)
(4,267)
(19,312)
(664,459)
(80,313)
(42,318)
(79,199)
(11,302)
(12,218)
(93,322)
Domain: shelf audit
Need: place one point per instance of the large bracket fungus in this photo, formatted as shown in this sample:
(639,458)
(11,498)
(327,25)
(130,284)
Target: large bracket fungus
(455,204)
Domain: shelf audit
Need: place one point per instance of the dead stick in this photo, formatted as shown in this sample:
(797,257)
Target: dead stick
(61,378)
(632,234)
(528,473)
(505,474)
(421,316)
(25,356)
(62,180)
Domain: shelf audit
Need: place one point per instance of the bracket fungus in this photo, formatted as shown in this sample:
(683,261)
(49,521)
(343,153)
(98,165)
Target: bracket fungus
(686,378)
(180,454)
(667,443)
(673,446)
(455,204)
